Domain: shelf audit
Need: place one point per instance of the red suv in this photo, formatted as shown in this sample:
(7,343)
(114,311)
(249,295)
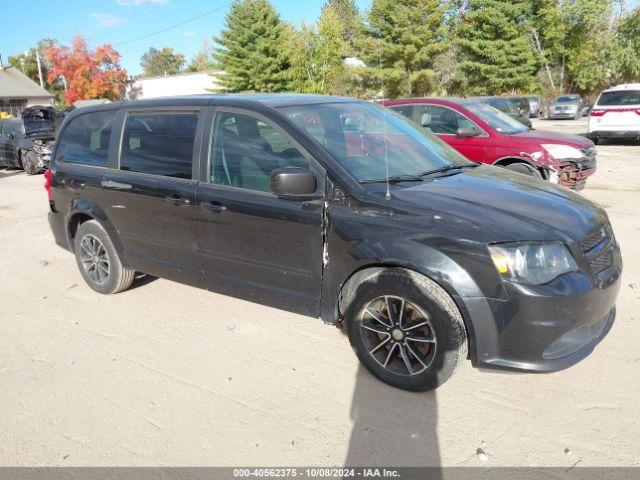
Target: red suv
(485,134)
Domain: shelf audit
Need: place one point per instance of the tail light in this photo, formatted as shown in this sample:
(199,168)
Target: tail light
(47,183)
(597,113)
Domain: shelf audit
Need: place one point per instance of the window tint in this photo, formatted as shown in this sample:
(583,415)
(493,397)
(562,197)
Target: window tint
(246,150)
(405,110)
(86,139)
(626,97)
(373,142)
(443,120)
(159,143)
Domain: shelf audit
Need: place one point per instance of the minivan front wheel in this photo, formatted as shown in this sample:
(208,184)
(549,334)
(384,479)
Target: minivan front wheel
(406,330)
(98,260)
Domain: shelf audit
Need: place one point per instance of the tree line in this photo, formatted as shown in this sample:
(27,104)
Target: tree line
(432,47)
(397,48)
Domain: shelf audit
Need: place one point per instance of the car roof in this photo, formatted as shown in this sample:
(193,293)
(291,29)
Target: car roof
(624,86)
(270,99)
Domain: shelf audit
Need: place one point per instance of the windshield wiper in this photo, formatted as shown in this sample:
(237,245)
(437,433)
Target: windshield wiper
(394,179)
(447,168)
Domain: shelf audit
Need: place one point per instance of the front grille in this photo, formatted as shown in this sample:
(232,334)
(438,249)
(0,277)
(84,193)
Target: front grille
(601,262)
(598,249)
(592,240)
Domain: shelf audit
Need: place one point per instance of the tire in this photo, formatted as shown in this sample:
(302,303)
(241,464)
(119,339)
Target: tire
(93,247)
(425,303)
(523,168)
(29,163)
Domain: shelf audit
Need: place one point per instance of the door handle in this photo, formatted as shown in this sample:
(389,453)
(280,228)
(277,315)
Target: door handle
(177,200)
(214,206)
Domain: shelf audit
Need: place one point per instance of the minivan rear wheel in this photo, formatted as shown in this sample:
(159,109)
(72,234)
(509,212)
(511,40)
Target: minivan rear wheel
(98,260)
(406,330)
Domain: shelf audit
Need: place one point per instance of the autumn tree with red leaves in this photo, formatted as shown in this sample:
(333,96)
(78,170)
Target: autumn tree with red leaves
(89,74)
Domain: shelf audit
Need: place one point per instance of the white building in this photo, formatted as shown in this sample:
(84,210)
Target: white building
(17,91)
(172,85)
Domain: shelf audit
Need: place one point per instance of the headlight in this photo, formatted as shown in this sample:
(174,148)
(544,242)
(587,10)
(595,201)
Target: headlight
(532,263)
(561,152)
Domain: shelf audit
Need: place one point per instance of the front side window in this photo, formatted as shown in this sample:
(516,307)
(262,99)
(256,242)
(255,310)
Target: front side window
(86,139)
(245,150)
(159,143)
(496,119)
(365,138)
(443,120)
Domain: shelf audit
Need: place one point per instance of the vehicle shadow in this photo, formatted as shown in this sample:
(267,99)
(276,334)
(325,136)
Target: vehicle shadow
(9,172)
(392,427)
(140,280)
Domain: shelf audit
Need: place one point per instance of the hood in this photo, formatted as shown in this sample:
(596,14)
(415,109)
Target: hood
(542,136)
(498,205)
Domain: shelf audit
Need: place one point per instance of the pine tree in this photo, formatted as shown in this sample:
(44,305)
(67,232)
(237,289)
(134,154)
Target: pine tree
(404,38)
(157,63)
(316,53)
(251,48)
(351,22)
(496,54)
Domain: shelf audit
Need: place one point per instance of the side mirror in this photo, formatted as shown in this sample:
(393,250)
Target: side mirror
(465,132)
(292,182)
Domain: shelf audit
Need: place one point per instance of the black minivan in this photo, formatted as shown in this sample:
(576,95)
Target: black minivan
(340,210)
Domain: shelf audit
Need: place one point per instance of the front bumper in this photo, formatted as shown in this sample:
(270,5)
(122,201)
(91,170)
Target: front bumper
(544,328)
(562,115)
(572,174)
(629,134)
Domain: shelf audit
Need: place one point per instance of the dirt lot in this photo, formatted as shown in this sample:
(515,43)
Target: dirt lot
(166,374)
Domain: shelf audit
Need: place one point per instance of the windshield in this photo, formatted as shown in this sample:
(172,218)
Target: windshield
(626,97)
(566,100)
(360,135)
(496,119)
(533,99)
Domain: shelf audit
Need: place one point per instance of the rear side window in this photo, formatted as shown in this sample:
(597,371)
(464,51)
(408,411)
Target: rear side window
(159,143)
(86,139)
(626,97)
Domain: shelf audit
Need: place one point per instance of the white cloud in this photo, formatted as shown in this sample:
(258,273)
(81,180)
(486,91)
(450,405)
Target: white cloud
(128,3)
(188,33)
(106,20)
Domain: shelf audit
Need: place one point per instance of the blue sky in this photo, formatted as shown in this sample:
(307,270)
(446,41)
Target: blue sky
(119,21)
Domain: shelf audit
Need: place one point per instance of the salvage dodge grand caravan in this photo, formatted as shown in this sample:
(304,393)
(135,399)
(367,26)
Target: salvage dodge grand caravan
(341,210)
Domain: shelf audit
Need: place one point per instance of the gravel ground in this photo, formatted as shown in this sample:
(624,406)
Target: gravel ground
(165,374)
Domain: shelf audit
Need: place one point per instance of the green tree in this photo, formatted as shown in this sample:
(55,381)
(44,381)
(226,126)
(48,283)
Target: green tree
(403,38)
(251,49)
(203,60)
(26,62)
(316,54)
(496,53)
(627,36)
(350,21)
(157,63)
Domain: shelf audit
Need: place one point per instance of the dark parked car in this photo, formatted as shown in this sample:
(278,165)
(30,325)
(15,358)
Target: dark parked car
(341,210)
(508,106)
(26,142)
(535,106)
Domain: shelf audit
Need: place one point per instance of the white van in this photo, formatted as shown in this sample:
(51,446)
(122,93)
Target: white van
(616,113)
